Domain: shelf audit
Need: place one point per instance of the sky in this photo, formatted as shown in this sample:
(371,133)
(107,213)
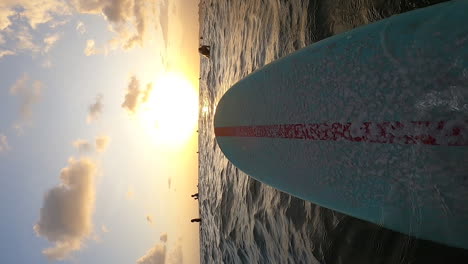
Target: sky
(98,141)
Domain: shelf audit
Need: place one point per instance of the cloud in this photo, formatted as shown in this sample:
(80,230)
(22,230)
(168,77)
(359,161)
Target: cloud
(130,193)
(131,20)
(19,20)
(50,41)
(176,255)
(135,96)
(35,12)
(156,255)
(164,20)
(5,14)
(146,93)
(29,95)
(101,143)
(131,98)
(104,229)
(82,145)
(5,53)
(91,48)
(47,63)
(80,27)
(24,41)
(95,109)
(65,218)
(149,219)
(4,143)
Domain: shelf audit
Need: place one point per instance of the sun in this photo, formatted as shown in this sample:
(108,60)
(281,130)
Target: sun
(170,114)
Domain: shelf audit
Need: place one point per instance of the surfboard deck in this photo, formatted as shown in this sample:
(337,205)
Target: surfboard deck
(372,123)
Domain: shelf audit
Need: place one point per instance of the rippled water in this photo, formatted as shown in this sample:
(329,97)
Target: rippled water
(245,221)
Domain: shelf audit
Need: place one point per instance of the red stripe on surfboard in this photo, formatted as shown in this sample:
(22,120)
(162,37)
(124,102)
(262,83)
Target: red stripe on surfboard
(445,133)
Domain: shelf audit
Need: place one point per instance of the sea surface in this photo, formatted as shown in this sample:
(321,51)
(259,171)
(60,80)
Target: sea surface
(244,221)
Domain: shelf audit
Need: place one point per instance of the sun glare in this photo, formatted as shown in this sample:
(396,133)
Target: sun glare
(171,112)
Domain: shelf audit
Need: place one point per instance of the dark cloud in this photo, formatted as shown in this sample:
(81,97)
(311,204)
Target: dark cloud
(95,109)
(65,218)
(149,219)
(29,93)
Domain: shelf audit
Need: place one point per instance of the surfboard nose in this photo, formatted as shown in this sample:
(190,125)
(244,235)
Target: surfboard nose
(383,137)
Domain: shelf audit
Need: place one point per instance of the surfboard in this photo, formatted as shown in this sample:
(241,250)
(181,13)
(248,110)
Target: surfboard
(372,123)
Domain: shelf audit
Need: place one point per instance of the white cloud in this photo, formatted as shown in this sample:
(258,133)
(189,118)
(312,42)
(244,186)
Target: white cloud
(4,143)
(80,27)
(133,22)
(5,13)
(49,41)
(20,18)
(101,143)
(135,96)
(34,11)
(95,109)
(6,53)
(91,48)
(24,42)
(57,23)
(156,255)
(82,145)
(65,218)
(29,95)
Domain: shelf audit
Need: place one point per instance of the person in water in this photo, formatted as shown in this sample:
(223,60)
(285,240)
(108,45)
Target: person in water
(196,220)
(205,50)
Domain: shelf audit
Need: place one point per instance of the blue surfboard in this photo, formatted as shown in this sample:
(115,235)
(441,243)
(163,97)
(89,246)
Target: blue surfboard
(372,123)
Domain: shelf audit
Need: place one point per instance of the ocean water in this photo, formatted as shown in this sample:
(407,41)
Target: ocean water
(244,221)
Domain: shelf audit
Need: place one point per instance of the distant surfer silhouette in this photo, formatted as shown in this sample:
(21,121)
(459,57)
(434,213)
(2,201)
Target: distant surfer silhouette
(198,220)
(205,50)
